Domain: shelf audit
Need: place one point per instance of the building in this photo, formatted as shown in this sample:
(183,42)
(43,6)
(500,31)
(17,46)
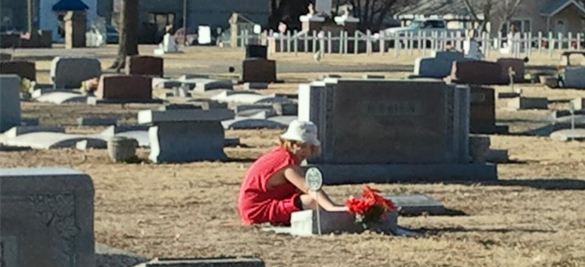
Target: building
(558,16)
(154,14)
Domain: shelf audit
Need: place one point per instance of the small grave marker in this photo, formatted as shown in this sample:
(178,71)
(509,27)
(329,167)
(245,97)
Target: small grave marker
(314,179)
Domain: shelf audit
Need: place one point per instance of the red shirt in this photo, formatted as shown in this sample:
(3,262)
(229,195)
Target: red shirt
(259,204)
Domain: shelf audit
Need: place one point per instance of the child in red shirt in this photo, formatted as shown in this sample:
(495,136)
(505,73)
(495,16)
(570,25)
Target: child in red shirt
(274,186)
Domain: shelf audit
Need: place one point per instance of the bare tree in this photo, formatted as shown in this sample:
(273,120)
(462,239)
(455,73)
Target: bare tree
(373,12)
(128,41)
(493,11)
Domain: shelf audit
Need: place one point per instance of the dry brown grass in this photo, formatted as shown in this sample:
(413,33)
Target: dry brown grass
(534,216)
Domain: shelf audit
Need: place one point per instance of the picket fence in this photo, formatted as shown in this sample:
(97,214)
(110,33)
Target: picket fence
(376,43)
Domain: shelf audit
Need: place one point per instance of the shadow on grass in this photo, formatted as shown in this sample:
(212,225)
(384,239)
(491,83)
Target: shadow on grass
(437,231)
(545,184)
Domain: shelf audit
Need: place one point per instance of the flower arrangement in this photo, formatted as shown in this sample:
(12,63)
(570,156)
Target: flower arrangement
(371,207)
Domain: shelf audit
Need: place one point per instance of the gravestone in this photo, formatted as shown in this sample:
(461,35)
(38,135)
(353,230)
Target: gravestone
(9,101)
(185,135)
(304,223)
(256,51)
(96,121)
(145,65)
(258,70)
(47,217)
(5,57)
(476,72)
(528,103)
(124,87)
(417,204)
(286,109)
(202,84)
(517,66)
(391,130)
(574,77)
(432,67)
(448,55)
(24,69)
(75,29)
(255,86)
(578,103)
(483,110)
(70,72)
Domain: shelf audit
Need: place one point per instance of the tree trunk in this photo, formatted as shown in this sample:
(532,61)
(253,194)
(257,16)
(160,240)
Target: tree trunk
(128,41)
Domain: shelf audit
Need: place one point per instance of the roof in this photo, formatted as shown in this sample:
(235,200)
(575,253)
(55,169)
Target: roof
(70,5)
(555,6)
(439,8)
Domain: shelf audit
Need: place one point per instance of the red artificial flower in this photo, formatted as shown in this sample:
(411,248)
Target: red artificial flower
(371,207)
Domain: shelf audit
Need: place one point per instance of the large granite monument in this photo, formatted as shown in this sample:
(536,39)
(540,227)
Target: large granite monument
(47,218)
(391,130)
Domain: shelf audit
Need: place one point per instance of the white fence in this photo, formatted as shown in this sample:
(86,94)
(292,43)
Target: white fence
(358,42)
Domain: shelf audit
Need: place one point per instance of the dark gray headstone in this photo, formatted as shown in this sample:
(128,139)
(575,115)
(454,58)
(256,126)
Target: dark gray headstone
(47,217)
(9,101)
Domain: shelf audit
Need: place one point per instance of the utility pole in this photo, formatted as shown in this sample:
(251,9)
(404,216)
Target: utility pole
(185,22)
(30,19)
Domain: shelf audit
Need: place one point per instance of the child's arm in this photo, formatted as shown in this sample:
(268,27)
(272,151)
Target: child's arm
(295,176)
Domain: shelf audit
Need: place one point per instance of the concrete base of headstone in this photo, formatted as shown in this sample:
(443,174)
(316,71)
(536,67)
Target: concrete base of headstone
(51,140)
(568,135)
(95,101)
(391,173)
(62,98)
(412,205)
(304,223)
(199,262)
(47,217)
(174,142)
(528,103)
(20,130)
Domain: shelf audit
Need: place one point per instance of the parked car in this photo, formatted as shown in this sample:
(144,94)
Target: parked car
(424,27)
(112,35)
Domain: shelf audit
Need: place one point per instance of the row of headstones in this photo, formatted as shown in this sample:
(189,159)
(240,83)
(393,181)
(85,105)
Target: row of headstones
(469,71)
(47,219)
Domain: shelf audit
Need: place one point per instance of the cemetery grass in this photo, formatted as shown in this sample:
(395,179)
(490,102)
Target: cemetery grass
(533,216)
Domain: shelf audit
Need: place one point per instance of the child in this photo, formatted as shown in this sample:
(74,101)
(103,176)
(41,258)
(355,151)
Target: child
(274,186)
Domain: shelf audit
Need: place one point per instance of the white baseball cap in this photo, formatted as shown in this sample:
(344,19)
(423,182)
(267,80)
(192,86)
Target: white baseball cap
(302,131)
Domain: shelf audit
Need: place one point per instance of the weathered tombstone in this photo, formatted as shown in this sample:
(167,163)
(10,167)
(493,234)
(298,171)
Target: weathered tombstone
(75,29)
(476,72)
(482,111)
(47,217)
(203,84)
(185,135)
(432,67)
(124,87)
(96,121)
(9,101)
(528,103)
(70,72)
(417,204)
(574,77)
(145,65)
(255,86)
(258,70)
(391,130)
(24,69)
(517,66)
